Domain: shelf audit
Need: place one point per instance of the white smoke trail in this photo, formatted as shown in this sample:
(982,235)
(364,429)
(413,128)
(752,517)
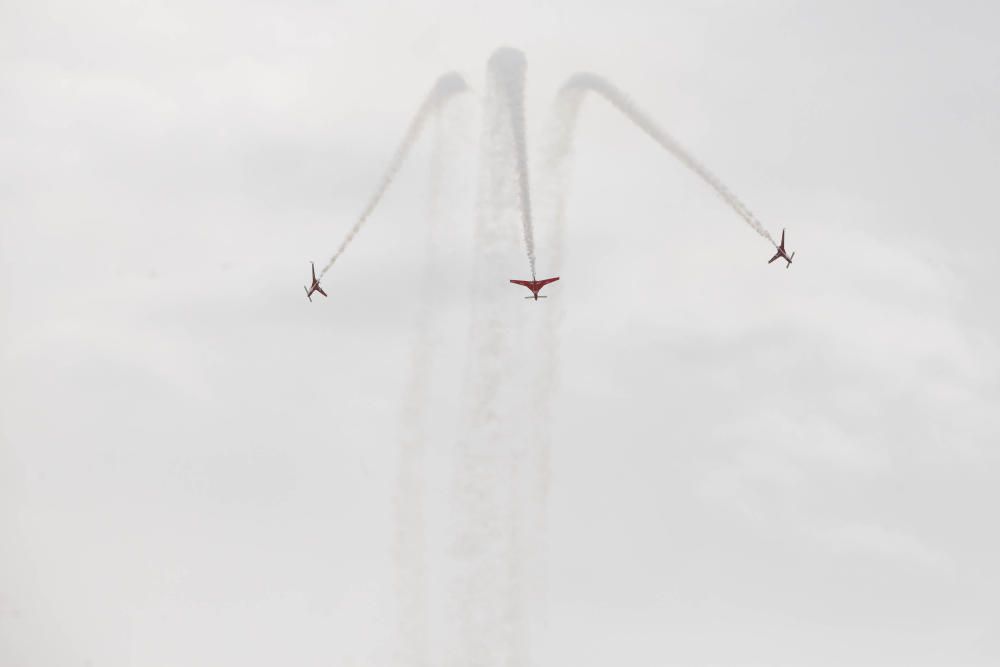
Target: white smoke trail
(556,167)
(491,598)
(508,67)
(412,592)
(446,87)
(585,81)
(554,178)
(542,385)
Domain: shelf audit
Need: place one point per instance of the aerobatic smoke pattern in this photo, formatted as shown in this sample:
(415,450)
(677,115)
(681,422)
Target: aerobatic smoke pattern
(446,87)
(508,66)
(585,81)
(501,463)
(491,550)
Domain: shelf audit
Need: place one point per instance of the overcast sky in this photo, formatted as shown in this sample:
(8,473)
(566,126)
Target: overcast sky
(750,465)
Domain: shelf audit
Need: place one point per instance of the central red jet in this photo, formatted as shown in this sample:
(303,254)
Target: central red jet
(534,286)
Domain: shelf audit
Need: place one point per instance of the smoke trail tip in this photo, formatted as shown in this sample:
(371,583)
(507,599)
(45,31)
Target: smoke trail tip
(582,80)
(448,84)
(507,57)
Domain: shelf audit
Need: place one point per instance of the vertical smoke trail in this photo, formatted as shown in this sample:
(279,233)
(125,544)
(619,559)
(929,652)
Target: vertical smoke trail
(446,87)
(413,609)
(488,501)
(554,177)
(508,66)
(585,81)
(480,540)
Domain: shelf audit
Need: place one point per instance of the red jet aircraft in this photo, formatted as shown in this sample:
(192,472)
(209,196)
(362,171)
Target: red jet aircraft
(535,285)
(315,285)
(781,252)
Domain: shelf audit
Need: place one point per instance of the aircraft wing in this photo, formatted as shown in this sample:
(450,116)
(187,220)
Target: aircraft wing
(782,238)
(314,271)
(320,290)
(776,256)
(526,283)
(547,281)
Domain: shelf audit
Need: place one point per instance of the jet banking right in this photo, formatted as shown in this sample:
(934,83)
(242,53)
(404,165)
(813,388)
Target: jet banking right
(781,252)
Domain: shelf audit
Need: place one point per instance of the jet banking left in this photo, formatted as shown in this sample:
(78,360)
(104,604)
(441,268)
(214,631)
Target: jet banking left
(315,285)
(781,252)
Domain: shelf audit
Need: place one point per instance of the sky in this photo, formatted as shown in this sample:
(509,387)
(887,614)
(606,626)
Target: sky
(747,465)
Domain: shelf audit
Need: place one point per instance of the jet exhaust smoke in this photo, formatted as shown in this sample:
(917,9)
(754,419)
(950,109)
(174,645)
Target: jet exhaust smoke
(492,548)
(508,67)
(586,82)
(446,87)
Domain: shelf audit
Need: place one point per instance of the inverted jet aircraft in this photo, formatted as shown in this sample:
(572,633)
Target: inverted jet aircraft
(781,252)
(315,285)
(534,286)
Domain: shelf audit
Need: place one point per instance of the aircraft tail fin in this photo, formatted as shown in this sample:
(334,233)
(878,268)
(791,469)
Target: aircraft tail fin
(308,296)
(790,260)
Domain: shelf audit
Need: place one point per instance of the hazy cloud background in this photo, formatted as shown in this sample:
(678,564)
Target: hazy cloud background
(751,466)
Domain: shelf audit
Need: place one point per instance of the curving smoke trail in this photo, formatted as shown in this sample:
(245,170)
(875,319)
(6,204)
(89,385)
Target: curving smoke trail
(446,87)
(583,82)
(508,67)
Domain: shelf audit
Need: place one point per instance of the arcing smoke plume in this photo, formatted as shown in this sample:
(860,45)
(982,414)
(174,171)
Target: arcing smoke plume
(447,86)
(508,66)
(585,81)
